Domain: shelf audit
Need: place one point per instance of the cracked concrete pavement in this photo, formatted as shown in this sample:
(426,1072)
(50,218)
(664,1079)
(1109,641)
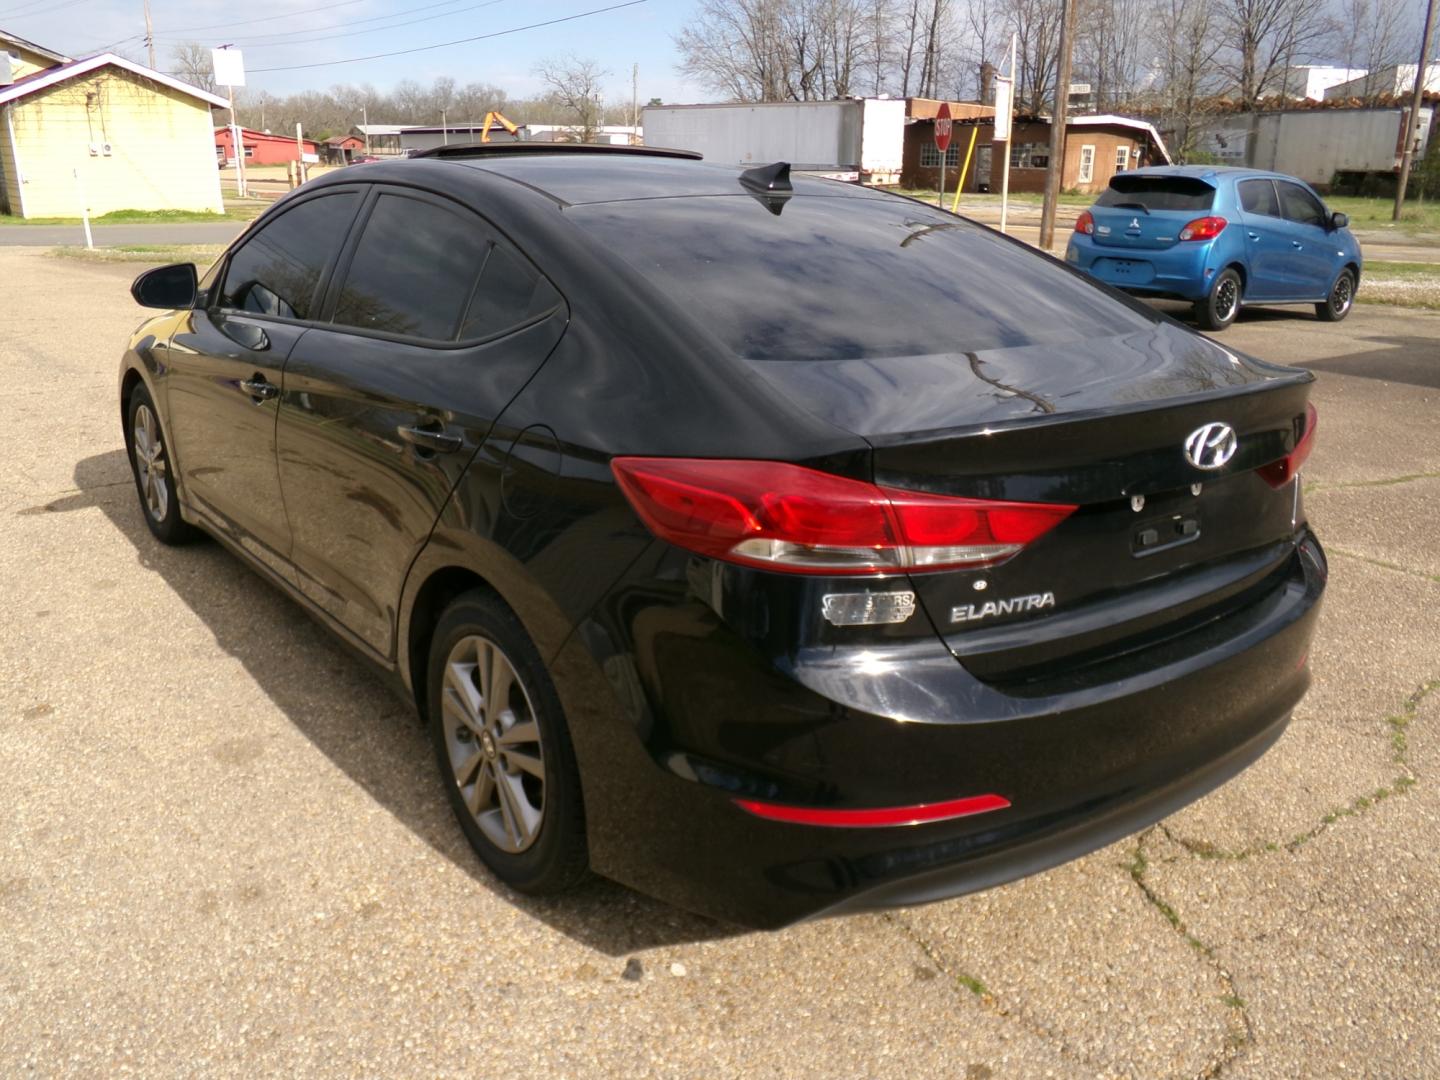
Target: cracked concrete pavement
(223,850)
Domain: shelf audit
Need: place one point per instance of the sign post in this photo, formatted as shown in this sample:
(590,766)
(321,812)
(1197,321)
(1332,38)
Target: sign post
(944,128)
(229,67)
(1004,121)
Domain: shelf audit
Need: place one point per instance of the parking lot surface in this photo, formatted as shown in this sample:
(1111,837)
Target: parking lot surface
(224,849)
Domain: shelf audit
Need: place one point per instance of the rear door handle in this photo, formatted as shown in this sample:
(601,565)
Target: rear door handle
(259,388)
(434,439)
(1298,246)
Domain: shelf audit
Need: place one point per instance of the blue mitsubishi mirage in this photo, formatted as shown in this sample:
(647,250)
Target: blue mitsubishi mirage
(1221,238)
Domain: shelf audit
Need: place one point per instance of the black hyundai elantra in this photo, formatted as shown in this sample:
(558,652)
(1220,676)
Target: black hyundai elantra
(772,545)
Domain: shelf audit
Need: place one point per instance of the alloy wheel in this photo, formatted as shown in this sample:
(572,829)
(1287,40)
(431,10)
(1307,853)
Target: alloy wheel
(149,451)
(493,742)
(1341,295)
(1226,297)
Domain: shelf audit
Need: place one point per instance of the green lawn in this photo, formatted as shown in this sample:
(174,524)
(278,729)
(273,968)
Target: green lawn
(1405,284)
(235,210)
(1373,215)
(202,255)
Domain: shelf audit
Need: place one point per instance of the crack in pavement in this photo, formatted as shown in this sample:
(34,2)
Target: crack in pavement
(988,1000)
(1339,485)
(1423,575)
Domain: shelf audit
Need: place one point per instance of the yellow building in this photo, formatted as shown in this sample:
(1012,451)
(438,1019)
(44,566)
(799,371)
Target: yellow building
(102,134)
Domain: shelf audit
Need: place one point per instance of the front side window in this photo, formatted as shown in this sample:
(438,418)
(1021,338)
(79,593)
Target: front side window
(1258,197)
(276,271)
(1300,206)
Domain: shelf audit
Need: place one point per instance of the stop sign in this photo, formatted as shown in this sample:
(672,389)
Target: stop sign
(942,127)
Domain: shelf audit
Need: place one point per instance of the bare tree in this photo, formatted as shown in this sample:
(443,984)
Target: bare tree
(1263,38)
(574,86)
(1036,24)
(1370,34)
(190,62)
(1187,74)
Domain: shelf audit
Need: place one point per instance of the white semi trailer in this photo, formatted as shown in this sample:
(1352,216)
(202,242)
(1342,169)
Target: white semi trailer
(853,139)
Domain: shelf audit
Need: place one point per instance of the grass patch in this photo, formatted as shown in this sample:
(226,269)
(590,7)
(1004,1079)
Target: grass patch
(202,255)
(1419,220)
(235,210)
(1403,284)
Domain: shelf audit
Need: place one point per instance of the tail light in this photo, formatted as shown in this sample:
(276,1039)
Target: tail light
(786,517)
(1085,223)
(1279,473)
(1204,228)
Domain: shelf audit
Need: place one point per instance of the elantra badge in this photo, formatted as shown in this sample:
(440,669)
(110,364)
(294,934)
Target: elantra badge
(1211,446)
(975,612)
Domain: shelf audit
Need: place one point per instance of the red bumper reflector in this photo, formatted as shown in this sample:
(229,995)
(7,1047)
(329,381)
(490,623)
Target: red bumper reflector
(877,817)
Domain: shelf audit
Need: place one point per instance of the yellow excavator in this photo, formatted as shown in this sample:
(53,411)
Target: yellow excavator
(494,117)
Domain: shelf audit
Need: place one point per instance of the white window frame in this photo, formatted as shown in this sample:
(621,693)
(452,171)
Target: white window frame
(1087,164)
(1122,158)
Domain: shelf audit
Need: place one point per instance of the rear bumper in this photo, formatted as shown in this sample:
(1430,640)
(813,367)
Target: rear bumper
(1184,271)
(668,738)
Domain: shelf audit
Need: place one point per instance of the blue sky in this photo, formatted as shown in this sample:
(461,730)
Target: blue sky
(640,34)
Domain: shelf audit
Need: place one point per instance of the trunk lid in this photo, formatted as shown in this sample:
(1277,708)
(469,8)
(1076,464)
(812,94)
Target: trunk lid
(1143,212)
(1155,542)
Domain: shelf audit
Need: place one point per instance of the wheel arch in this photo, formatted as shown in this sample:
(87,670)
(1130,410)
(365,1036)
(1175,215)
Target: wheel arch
(441,586)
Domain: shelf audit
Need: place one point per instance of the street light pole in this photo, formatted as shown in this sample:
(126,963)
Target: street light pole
(1412,134)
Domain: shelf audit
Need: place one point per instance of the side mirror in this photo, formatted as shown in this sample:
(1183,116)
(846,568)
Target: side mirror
(1339,220)
(166,287)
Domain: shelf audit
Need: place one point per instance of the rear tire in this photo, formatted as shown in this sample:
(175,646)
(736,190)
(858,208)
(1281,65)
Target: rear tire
(1340,300)
(153,469)
(1218,310)
(503,747)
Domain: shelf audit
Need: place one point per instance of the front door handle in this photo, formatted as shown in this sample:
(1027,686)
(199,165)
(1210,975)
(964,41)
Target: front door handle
(1298,246)
(259,388)
(433,439)
(1253,235)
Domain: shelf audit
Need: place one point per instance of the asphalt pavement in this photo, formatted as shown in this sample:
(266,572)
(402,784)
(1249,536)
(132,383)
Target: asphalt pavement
(193,232)
(224,850)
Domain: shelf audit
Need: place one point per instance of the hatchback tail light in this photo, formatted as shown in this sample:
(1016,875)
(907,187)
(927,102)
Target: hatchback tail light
(1204,228)
(1085,223)
(786,517)
(1279,473)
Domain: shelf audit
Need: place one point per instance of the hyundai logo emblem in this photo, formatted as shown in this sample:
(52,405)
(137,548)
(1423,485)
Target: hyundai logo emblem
(1211,446)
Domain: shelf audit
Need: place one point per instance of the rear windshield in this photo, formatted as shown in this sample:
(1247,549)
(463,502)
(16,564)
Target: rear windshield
(848,278)
(1158,193)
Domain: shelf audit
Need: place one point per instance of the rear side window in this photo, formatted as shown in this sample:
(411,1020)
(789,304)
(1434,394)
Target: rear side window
(1158,193)
(414,269)
(509,292)
(1258,197)
(1299,205)
(845,278)
(276,271)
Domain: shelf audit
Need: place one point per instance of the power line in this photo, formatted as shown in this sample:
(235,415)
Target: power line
(459,41)
(43,7)
(266,18)
(259,42)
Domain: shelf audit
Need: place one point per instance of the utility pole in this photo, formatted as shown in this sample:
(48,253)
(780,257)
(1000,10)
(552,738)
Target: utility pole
(150,36)
(1057,129)
(634,101)
(1412,133)
(365,126)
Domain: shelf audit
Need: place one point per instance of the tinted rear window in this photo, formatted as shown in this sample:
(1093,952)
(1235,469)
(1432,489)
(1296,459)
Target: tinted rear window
(833,278)
(1158,193)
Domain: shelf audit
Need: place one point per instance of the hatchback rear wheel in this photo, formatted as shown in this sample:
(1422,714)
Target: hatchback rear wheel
(1218,310)
(503,747)
(1342,297)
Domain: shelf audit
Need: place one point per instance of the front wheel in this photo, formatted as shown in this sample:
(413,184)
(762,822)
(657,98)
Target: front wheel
(1218,310)
(504,751)
(1342,297)
(154,471)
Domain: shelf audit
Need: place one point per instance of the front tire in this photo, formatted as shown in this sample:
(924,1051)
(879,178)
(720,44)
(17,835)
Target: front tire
(152,467)
(1218,310)
(1341,299)
(504,749)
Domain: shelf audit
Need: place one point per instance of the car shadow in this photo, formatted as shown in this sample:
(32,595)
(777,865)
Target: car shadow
(348,711)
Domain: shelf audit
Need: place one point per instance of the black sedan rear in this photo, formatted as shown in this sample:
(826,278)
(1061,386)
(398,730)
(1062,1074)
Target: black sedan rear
(772,545)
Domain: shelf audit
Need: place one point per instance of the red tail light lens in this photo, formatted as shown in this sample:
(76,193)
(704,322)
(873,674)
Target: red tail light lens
(1279,473)
(1205,228)
(1085,223)
(787,517)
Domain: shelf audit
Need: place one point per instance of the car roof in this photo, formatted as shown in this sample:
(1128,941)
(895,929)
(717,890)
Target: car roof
(579,176)
(1207,172)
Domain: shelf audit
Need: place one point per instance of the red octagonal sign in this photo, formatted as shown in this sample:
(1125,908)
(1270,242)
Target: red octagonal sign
(943,125)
